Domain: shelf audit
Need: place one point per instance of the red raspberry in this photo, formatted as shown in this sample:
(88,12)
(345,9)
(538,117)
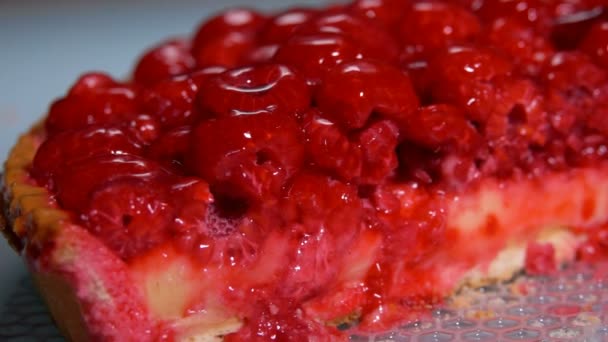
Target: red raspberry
(64,148)
(313,55)
(595,44)
(329,148)
(462,76)
(129,216)
(144,128)
(372,39)
(442,125)
(386,13)
(251,90)
(378,144)
(171,101)
(98,106)
(247,156)
(169,58)
(351,92)
(170,149)
(528,50)
(532,13)
(75,187)
(443,24)
(519,107)
(281,26)
(192,198)
(575,84)
(570,70)
(90,82)
(226,38)
(320,202)
(261,54)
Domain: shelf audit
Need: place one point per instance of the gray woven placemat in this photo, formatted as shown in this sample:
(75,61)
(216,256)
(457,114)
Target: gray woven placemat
(24,317)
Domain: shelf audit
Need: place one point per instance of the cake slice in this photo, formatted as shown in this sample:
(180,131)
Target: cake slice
(279,176)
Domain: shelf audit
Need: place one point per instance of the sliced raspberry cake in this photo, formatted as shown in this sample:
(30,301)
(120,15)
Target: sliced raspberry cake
(277,176)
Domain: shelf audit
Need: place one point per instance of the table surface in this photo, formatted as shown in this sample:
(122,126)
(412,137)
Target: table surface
(46,45)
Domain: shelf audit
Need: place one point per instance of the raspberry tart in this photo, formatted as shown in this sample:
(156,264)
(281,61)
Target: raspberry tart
(279,175)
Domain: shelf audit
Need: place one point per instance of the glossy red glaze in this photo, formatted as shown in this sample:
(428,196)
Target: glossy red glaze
(313,55)
(351,92)
(168,59)
(443,24)
(65,148)
(225,39)
(101,105)
(252,90)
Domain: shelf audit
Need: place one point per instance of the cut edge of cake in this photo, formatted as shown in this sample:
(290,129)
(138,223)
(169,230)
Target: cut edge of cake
(78,304)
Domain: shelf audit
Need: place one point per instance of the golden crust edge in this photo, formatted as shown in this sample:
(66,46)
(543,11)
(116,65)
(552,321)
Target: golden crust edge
(20,199)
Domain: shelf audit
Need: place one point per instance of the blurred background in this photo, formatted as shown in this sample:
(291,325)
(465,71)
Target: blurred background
(45,45)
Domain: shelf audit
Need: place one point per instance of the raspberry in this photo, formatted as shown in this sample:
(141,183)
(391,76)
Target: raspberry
(578,89)
(170,149)
(167,59)
(261,54)
(386,13)
(99,106)
(247,156)
(375,41)
(91,81)
(329,147)
(144,128)
(351,92)
(313,55)
(64,148)
(129,216)
(319,202)
(226,38)
(281,26)
(378,144)
(443,24)
(462,76)
(171,101)
(529,50)
(533,13)
(192,198)
(250,90)
(442,125)
(75,187)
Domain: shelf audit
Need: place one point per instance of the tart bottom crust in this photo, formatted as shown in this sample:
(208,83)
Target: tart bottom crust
(81,305)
